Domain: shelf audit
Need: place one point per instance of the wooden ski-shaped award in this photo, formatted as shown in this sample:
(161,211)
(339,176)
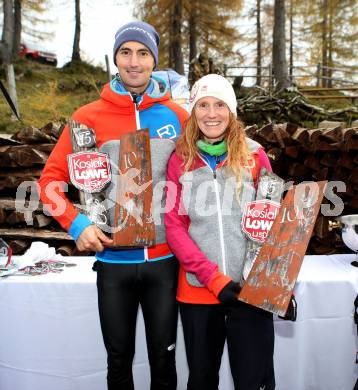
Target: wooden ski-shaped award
(272,278)
(133,219)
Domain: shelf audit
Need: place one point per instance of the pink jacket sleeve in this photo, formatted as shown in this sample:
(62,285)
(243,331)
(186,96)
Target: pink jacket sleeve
(177,224)
(264,161)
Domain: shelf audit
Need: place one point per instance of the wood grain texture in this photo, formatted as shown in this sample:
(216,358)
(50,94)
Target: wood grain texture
(133,218)
(274,273)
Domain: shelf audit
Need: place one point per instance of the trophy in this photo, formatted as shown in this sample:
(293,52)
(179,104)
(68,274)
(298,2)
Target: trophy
(89,172)
(7,266)
(273,275)
(5,254)
(133,219)
(350,233)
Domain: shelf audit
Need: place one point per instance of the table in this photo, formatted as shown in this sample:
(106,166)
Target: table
(51,338)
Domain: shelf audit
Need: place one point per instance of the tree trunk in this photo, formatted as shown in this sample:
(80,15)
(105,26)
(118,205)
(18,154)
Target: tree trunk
(7,45)
(7,32)
(206,41)
(258,40)
(291,41)
(279,47)
(324,43)
(17,28)
(10,78)
(192,38)
(76,42)
(330,44)
(176,54)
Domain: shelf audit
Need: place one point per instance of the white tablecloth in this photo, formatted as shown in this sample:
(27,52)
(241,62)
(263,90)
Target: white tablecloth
(51,338)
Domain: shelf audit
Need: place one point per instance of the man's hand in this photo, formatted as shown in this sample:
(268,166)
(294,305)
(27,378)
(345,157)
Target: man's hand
(93,239)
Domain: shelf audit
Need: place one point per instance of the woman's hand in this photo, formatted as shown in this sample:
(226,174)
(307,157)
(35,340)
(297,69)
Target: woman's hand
(229,293)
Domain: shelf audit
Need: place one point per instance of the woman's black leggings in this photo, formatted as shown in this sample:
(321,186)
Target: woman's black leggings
(250,339)
(121,288)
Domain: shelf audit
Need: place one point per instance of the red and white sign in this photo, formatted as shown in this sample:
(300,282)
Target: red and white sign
(89,171)
(258,218)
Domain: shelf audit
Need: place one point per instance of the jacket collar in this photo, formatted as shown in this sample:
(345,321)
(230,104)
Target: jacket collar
(115,93)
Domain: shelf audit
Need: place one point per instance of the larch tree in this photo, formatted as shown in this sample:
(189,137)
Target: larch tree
(256,38)
(258,43)
(176,52)
(279,61)
(17,27)
(330,28)
(14,12)
(76,49)
(193,17)
(324,31)
(291,17)
(76,56)
(33,14)
(7,39)
(159,13)
(7,42)
(294,38)
(191,27)
(25,17)
(213,29)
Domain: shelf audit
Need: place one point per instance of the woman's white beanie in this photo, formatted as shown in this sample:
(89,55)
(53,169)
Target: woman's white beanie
(216,86)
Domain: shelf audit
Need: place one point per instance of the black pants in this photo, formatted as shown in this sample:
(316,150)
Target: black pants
(250,337)
(121,287)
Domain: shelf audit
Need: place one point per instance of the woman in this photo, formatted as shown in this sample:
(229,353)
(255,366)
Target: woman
(211,176)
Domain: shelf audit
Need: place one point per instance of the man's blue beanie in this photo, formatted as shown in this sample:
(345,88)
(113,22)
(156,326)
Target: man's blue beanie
(139,32)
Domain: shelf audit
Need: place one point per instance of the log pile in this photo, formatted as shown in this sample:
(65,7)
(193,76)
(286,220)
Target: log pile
(259,106)
(326,153)
(22,157)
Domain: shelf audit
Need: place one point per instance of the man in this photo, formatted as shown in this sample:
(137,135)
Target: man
(128,277)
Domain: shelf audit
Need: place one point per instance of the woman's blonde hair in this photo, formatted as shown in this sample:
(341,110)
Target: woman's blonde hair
(238,154)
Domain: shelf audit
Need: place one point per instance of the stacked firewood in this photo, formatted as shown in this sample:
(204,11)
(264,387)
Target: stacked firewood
(326,153)
(22,220)
(260,106)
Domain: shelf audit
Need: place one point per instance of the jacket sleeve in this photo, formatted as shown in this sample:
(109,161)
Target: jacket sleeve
(55,177)
(183,246)
(264,161)
(53,182)
(53,186)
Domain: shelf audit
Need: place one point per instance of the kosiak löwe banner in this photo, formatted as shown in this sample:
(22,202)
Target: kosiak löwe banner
(259,215)
(90,173)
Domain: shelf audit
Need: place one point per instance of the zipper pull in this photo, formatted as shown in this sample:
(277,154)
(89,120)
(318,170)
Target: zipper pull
(135,100)
(217,161)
